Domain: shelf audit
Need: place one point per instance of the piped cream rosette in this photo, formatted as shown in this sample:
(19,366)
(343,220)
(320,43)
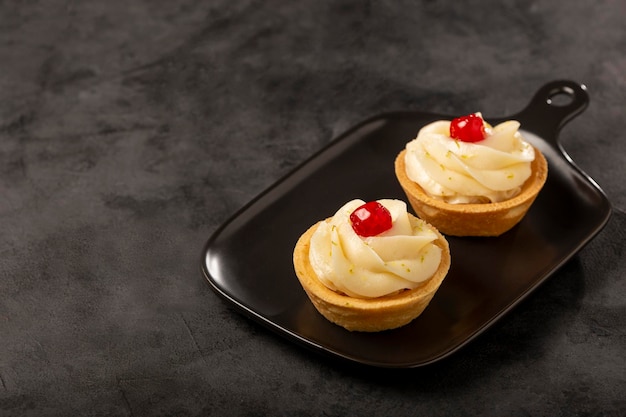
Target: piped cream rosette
(456,172)
(367,267)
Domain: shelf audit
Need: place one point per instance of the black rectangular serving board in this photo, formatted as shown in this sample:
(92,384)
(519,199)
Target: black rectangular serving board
(248,260)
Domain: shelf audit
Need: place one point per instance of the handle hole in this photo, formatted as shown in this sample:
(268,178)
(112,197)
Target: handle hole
(561,98)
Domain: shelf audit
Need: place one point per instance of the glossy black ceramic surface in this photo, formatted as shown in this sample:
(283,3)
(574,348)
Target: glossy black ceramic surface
(248,260)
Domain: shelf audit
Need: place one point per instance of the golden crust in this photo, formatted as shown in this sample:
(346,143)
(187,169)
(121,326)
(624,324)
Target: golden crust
(489,219)
(366,315)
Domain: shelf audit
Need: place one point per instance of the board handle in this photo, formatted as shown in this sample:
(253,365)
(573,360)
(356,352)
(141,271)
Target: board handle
(552,107)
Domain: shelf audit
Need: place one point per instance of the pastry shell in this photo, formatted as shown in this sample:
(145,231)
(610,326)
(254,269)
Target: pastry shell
(488,219)
(373,314)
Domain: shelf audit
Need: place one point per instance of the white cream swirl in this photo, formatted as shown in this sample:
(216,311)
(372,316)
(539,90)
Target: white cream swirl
(454,171)
(366,267)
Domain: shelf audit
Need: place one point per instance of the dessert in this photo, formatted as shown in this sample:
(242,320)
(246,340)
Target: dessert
(372,266)
(468,178)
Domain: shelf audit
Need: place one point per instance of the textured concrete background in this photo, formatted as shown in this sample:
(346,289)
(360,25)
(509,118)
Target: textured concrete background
(130,130)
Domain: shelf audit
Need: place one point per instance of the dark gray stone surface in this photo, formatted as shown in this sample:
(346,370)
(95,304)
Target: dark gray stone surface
(129,130)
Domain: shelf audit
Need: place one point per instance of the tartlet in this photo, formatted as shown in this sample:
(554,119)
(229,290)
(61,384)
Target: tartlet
(468,178)
(368,314)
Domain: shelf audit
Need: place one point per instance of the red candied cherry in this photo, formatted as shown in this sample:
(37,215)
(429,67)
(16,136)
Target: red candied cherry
(370,219)
(470,128)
